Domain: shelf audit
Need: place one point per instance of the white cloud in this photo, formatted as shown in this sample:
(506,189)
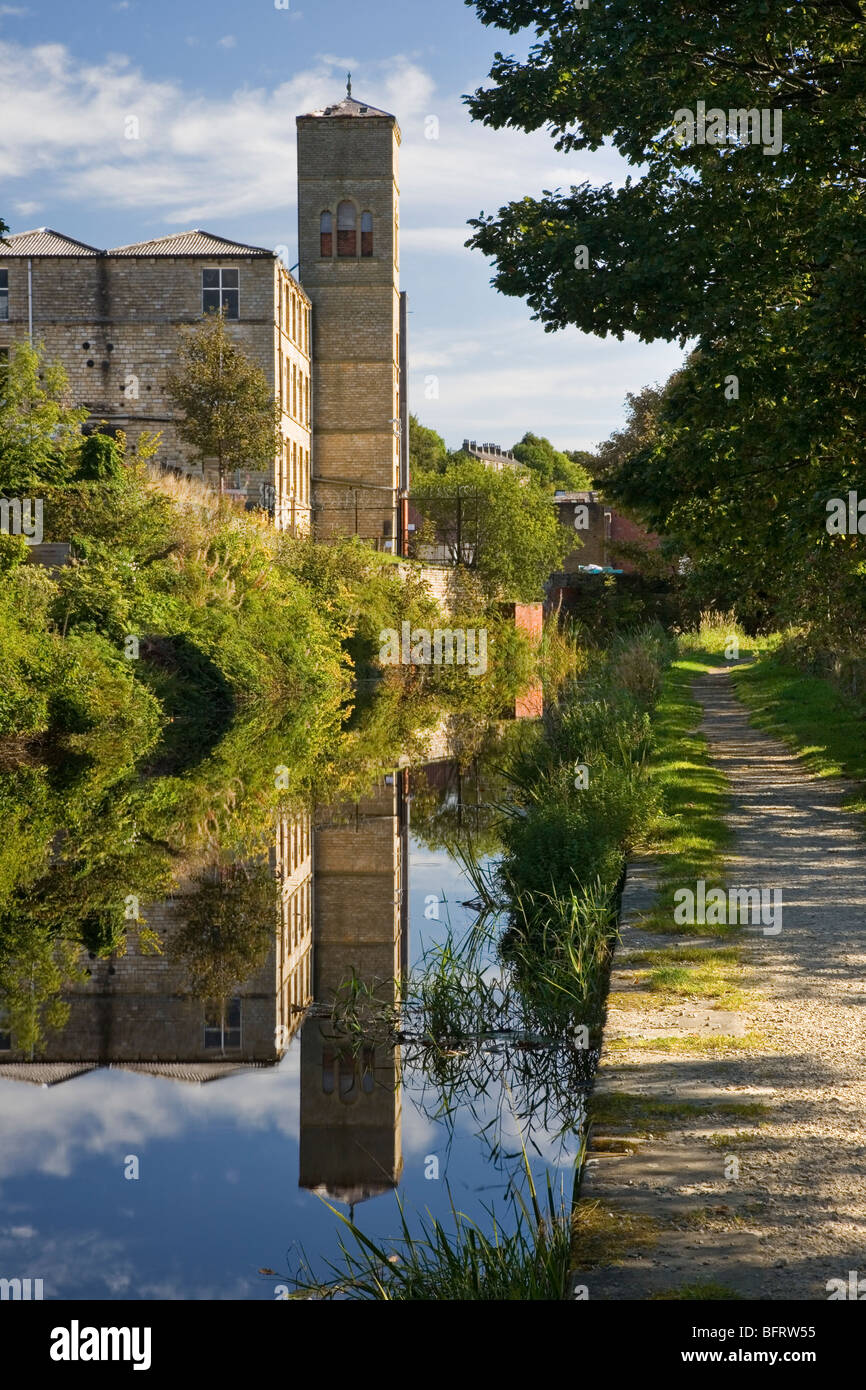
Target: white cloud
(228,163)
(511,376)
(52,1131)
(202,157)
(439,240)
(229,41)
(13,11)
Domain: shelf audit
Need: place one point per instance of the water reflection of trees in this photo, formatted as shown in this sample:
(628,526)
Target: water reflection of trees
(88,838)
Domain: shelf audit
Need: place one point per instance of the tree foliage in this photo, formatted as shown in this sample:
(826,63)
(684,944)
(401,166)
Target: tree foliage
(40,431)
(428,452)
(750,252)
(500,524)
(550,467)
(230,414)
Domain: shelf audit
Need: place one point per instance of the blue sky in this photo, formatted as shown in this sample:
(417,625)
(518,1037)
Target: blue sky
(214,89)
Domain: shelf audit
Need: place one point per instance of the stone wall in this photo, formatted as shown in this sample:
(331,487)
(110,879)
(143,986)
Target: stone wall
(115,323)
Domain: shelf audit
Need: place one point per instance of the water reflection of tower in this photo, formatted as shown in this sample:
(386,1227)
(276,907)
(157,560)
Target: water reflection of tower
(350,1094)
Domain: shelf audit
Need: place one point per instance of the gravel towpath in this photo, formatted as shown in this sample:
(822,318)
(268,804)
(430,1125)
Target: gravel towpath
(771,1207)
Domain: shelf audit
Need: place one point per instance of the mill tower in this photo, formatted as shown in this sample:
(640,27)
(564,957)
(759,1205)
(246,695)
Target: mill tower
(349,265)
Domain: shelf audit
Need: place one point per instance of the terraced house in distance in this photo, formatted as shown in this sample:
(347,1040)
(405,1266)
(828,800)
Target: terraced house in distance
(114,318)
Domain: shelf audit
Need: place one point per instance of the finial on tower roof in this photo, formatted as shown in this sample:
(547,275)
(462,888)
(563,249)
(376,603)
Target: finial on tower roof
(348,84)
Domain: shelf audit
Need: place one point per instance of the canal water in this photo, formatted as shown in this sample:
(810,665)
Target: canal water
(155,1144)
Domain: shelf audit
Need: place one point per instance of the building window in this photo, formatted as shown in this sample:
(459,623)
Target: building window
(4,294)
(347,238)
(326,234)
(220,290)
(222,1024)
(366,233)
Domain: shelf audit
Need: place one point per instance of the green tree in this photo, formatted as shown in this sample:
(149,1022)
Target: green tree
(35,965)
(231,923)
(40,432)
(99,459)
(502,525)
(749,243)
(229,412)
(549,466)
(641,425)
(428,452)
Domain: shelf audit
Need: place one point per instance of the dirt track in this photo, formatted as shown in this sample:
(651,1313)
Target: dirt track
(793,1216)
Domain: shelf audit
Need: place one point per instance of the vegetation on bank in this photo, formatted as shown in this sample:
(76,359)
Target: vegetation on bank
(823,721)
(525,1258)
(189,675)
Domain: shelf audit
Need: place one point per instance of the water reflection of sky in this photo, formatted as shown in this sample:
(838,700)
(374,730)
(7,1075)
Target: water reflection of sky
(218,1193)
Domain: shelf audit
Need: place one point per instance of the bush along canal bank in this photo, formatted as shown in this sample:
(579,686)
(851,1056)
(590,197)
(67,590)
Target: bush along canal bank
(725,1155)
(513,1007)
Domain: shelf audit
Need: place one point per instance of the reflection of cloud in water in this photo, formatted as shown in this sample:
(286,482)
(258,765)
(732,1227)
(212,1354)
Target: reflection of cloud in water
(59,1260)
(49,1130)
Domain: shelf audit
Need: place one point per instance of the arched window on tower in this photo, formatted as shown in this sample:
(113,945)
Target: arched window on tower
(326,234)
(347,237)
(366,233)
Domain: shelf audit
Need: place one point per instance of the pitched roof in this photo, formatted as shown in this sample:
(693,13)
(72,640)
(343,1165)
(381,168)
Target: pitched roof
(44,241)
(192,243)
(350,107)
(54,1073)
(44,1073)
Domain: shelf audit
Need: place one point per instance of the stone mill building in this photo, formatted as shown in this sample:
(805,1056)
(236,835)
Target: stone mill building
(332,340)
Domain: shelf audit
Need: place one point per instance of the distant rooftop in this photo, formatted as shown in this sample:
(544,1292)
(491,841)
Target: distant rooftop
(490,453)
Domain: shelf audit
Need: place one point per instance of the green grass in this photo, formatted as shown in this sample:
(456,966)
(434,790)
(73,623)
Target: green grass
(605,1235)
(645,1116)
(691,835)
(822,724)
(690,1042)
(707,980)
(708,1292)
(722,955)
(529,1262)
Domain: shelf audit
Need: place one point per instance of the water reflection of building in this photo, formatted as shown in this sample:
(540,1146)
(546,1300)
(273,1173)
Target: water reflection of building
(351,1146)
(137,1011)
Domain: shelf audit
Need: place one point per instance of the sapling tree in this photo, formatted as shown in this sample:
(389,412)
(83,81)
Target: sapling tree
(229,411)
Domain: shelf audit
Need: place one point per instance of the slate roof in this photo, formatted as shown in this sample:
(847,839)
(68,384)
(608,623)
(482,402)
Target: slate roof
(192,243)
(44,1073)
(54,1073)
(44,241)
(350,107)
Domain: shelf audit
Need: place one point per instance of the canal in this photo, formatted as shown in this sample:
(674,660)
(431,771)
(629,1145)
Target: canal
(176,1126)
